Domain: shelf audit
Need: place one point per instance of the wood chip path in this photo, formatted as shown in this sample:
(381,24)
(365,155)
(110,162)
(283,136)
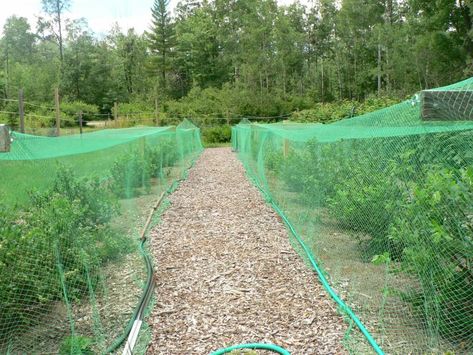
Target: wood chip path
(227,274)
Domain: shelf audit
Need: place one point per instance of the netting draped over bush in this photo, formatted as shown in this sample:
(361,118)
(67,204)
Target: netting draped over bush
(71,211)
(385,202)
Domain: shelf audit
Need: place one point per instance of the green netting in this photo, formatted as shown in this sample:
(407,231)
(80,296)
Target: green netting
(71,212)
(385,203)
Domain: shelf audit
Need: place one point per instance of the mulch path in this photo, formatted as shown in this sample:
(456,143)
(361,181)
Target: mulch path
(227,274)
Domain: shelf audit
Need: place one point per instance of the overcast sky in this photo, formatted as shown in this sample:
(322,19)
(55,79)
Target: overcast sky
(101,14)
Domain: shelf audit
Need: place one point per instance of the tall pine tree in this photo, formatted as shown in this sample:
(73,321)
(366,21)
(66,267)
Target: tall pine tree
(55,10)
(161,40)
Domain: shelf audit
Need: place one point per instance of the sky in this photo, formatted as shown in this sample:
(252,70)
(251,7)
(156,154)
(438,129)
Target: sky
(100,14)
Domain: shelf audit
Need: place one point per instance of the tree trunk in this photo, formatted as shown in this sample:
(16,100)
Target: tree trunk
(261,88)
(59,21)
(323,79)
(267,82)
(163,72)
(7,74)
(379,69)
(389,20)
(465,11)
(389,12)
(339,77)
(355,75)
(387,76)
(284,81)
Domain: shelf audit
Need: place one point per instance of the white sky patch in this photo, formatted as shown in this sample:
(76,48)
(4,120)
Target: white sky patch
(100,14)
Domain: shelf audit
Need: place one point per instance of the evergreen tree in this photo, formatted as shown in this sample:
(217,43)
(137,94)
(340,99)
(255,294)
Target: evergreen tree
(161,40)
(55,10)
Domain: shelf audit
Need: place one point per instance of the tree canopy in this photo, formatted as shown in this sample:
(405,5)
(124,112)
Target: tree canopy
(258,57)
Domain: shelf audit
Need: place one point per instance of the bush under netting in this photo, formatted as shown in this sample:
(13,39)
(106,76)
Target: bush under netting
(72,209)
(384,202)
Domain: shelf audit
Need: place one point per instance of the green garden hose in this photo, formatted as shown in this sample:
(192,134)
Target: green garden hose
(255,346)
(145,298)
(319,272)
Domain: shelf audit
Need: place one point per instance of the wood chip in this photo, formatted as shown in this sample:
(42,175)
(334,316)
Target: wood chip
(227,273)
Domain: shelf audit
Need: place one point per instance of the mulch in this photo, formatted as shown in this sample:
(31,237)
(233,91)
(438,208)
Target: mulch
(227,274)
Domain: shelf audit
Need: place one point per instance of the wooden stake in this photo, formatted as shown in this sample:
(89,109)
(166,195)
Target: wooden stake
(115,111)
(58,112)
(5,139)
(21,109)
(80,121)
(285,148)
(156,112)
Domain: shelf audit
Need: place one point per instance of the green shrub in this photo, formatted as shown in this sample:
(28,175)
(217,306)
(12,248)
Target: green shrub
(135,107)
(76,345)
(317,169)
(334,111)
(129,173)
(435,227)
(60,239)
(408,200)
(134,170)
(367,203)
(217,134)
(163,155)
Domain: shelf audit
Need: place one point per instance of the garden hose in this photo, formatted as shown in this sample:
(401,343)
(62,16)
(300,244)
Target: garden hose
(318,270)
(143,302)
(145,298)
(255,346)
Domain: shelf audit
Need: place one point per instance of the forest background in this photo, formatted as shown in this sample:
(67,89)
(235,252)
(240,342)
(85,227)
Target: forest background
(222,60)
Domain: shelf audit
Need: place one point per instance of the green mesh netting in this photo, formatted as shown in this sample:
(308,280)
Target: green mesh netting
(71,212)
(385,202)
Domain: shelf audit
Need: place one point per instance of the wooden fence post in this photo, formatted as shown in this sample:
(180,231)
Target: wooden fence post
(58,112)
(156,112)
(21,109)
(115,111)
(80,122)
(285,148)
(5,139)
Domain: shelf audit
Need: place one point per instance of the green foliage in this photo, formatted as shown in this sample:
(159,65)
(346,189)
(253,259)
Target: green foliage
(129,173)
(435,228)
(76,345)
(164,155)
(134,170)
(330,112)
(135,107)
(414,208)
(65,230)
(161,41)
(217,134)
(367,202)
(231,102)
(8,118)
(281,59)
(71,110)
